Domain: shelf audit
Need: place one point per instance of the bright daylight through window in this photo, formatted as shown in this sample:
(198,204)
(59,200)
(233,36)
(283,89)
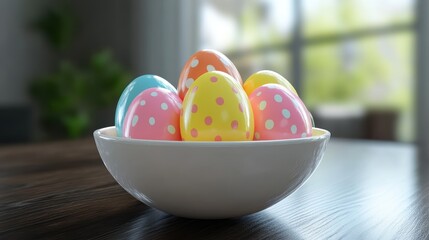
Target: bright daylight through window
(356,56)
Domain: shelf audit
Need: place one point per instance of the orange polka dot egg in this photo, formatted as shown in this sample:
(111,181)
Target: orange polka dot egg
(201,62)
(212,104)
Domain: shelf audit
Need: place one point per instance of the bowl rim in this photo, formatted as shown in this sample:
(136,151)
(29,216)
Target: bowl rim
(102,134)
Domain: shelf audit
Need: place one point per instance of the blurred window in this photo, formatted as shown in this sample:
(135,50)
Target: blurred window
(357,52)
(253,33)
(346,16)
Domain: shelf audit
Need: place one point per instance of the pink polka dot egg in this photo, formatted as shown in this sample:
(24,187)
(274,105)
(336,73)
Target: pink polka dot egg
(279,113)
(154,114)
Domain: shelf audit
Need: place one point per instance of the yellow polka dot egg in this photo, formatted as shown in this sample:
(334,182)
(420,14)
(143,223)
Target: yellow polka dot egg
(265,77)
(216,108)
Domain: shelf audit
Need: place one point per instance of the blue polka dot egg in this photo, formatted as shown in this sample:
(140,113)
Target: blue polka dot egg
(133,89)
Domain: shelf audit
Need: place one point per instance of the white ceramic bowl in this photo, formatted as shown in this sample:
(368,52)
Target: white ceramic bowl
(210,180)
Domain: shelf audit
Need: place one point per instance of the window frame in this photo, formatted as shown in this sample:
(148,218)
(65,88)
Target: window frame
(299,42)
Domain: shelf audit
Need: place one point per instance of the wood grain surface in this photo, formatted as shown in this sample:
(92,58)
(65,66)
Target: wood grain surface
(361,190)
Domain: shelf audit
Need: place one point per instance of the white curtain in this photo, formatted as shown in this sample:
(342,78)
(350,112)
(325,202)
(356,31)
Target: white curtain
(164,35)
(422,87)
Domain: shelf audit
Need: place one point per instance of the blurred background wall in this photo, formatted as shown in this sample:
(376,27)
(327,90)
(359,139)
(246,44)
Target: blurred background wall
(352,61)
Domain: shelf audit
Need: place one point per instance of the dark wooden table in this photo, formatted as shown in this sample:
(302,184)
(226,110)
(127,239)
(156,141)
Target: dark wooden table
(361,190)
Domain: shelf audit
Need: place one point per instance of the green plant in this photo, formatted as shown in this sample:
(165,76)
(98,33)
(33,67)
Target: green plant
(57,25)
(69,97)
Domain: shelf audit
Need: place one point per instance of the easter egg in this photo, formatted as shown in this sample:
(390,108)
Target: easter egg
(279,113)
(154,114)
(133,89)
(263,77)
(201,62)
(216,108)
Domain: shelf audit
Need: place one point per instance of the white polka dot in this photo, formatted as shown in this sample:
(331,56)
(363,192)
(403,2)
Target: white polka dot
(164,106)
(293,129)
(135,120)
(278,98)
(189,82)
(286,113)
(210,68)
(154,94)
(152,121)
(258,94)
(171,129)
(304,135)
(257,135)
(269,124)
(262,105)
(179,105)
(194,63)
(142,102)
